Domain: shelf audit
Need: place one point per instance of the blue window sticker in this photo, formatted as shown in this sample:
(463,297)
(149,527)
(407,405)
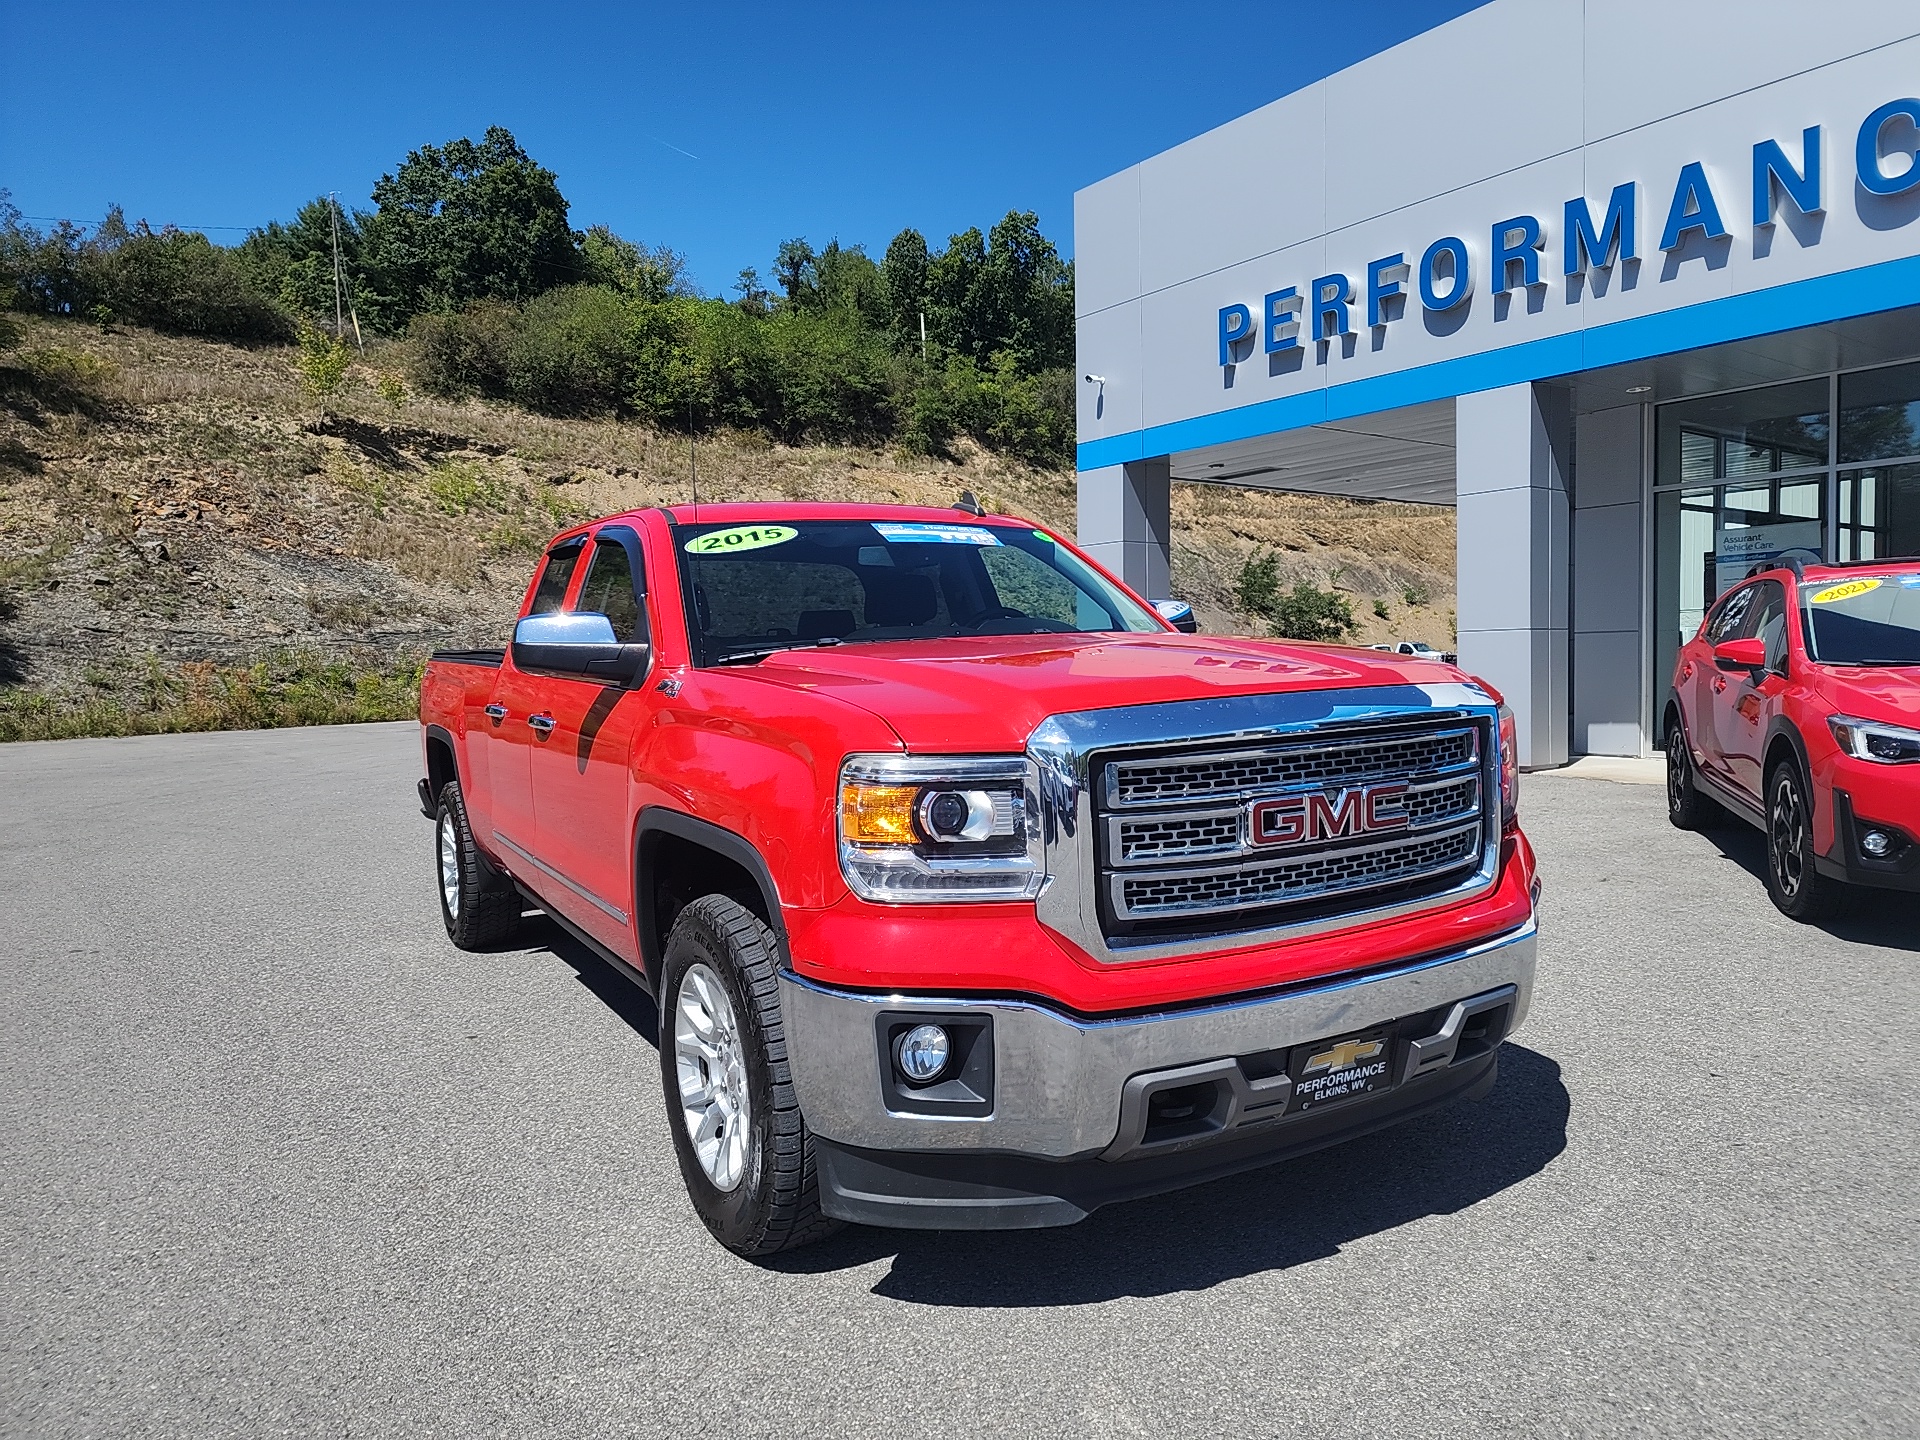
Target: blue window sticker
(917,534)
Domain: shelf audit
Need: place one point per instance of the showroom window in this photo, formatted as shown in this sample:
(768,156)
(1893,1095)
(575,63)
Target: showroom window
(1809,470)
(1878,507)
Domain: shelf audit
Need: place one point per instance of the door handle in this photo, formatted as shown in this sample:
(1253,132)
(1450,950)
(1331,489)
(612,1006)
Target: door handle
(542,723)
(496,713)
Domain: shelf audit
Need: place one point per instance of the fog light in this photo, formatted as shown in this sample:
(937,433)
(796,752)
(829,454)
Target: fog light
(1876,843)
(923,1054)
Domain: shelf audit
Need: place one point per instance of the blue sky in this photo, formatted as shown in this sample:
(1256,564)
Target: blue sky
(718,130)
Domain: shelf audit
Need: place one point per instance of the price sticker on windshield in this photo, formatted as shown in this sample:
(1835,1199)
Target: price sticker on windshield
(737,538)
(1845,592)
(936,534)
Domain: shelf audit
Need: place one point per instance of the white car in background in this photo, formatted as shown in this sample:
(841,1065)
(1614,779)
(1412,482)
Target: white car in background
(1419,649)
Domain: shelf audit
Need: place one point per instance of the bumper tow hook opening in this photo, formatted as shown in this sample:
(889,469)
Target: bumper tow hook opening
(1473,1028)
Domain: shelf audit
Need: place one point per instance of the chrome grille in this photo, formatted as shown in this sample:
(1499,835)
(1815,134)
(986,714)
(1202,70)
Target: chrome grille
(1178,836)
(1177,843)
(1240,773)
(1242,887)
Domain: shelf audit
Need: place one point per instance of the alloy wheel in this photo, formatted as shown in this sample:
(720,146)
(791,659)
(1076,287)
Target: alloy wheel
(710,1066)
(1786,834)
(449,864)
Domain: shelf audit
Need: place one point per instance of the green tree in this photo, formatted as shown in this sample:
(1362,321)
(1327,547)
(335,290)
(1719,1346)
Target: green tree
(959,297)
(793,271)
(637,271)
(463,221)
(849,282)
(903,273)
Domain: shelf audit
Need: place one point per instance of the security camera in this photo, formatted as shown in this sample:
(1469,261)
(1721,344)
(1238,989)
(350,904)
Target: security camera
(1096,379)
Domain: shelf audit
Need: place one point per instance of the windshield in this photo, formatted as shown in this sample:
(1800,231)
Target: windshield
(1873,620)
(756,589)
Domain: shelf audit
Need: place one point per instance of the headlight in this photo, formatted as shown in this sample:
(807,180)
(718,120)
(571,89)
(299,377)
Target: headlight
(1509,769)
(932,829)
(1872,740)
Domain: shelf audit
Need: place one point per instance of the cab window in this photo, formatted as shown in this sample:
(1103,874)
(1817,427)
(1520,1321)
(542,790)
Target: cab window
(555,575)
(609,590)
(1766,621)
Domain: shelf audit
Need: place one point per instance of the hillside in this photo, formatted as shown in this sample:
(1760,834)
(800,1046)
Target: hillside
(189,539)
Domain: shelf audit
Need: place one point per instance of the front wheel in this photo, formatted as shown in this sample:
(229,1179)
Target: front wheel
(744,1149)
(1796,887)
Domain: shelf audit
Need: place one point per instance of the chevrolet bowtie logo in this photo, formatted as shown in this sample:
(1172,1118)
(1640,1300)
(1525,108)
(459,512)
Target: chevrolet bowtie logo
(1343,1055)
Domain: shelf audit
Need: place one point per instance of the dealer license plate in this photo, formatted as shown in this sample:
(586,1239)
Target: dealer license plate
(1330,1072)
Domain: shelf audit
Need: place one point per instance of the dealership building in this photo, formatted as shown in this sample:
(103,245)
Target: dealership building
(1632,285)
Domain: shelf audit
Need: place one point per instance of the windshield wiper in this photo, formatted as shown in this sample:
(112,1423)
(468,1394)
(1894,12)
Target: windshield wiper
(755,656)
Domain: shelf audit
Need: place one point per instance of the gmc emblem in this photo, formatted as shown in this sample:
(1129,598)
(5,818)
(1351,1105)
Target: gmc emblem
(1328,815)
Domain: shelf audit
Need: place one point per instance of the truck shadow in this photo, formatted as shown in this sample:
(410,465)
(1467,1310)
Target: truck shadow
(1285,1215)
(1273,1219)
(1868,917)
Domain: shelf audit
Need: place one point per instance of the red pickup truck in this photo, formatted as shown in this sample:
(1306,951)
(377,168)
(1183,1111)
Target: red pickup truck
(973,892)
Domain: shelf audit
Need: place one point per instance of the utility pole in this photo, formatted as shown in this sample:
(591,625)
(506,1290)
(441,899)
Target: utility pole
(339,303)
(340,294)
(923,337)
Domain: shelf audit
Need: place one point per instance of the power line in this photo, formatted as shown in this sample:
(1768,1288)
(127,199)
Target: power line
(176,224)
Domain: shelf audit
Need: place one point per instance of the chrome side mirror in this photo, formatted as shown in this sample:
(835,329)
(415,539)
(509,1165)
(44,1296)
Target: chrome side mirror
(579,644)
(1179,614)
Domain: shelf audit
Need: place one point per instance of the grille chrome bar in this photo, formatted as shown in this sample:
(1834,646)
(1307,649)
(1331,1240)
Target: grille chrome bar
(1351,870)
(1328,763)
(1214,833)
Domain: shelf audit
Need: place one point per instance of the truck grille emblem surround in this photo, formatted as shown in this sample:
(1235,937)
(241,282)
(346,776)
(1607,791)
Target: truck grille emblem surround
(1180,828)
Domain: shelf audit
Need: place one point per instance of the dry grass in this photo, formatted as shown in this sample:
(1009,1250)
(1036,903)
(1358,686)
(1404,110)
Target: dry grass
(177,503)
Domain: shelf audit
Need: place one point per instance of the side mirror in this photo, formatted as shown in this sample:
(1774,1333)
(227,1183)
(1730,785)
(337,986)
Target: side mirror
(581,644)
(1179,614)
(1734,655)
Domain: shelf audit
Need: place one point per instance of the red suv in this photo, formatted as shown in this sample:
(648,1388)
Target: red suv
(1796,707)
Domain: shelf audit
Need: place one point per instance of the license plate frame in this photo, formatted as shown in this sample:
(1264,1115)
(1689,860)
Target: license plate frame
(1340,1070)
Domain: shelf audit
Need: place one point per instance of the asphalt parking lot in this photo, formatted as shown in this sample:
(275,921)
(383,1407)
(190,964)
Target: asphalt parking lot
(279,1160)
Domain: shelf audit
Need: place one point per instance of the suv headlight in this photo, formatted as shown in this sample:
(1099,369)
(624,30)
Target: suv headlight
(938,828)
(1872,740)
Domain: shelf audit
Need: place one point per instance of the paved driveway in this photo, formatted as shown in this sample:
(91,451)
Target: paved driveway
(277,1159)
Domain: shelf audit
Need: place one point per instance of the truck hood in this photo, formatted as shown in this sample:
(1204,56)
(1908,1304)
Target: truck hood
(991,693)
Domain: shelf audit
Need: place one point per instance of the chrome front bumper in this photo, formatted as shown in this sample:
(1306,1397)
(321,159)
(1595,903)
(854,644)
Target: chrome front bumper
(1060,1084)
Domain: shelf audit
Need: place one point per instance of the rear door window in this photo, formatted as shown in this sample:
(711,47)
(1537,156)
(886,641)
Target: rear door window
(555,576)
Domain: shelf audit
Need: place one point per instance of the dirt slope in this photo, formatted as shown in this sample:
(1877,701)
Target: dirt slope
(180,521)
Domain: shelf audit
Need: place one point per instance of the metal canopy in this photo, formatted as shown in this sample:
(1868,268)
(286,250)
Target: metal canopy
(1395,455)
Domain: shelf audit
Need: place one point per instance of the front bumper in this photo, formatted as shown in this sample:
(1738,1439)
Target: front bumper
(1060,1116)
(1847,861)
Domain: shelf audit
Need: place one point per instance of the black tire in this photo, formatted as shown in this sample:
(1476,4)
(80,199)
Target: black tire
(1794,884)
(1687,808)
(774,1204)
(478,905)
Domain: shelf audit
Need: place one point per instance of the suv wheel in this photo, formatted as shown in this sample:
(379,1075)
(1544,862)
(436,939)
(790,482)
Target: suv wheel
(1687,808)
(745,1152)
(479,906)
(1796,887)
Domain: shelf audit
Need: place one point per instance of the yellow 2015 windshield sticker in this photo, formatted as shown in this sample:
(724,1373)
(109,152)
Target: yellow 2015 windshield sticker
(736,538)
(1846,591)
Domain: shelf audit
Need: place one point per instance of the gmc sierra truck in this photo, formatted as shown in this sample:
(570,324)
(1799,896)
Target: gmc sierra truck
(972,890)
